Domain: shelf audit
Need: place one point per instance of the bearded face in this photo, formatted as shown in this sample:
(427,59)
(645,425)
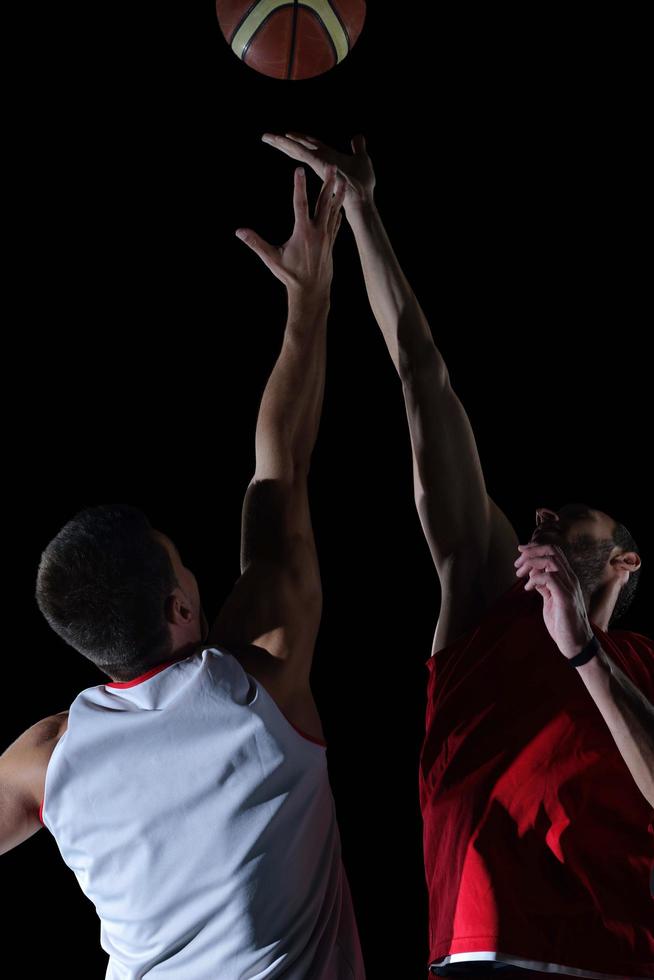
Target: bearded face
(588,557)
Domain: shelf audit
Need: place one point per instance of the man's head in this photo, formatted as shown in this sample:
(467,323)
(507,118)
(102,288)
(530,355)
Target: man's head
(116,590)
(602,553)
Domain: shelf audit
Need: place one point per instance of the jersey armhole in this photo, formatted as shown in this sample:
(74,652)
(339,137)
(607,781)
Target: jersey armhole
(259,687)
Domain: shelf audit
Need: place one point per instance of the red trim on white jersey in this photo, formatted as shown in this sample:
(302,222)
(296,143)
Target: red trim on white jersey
(167,663)
(142,677)
(311,738)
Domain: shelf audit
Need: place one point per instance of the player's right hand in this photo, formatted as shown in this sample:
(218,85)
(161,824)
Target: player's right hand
(356,168)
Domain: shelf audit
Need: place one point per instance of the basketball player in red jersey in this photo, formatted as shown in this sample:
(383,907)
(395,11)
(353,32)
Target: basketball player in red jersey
(537,766)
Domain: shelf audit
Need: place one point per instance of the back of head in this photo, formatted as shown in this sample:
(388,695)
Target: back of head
(102,585)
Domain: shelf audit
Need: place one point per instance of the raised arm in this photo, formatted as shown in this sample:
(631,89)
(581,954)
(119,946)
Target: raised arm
(470,539)
(272,615)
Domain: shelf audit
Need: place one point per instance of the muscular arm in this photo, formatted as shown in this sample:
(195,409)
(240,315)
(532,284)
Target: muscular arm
(22,776)
(468,535)
(276,604)
(471,541)
(628,714)
(271,618)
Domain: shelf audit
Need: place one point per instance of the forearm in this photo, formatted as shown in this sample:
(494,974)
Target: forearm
(393,302)
(289,414)
(628,714)
(448,482)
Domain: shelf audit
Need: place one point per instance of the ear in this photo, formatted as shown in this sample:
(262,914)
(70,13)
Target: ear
(628,561)
(177,609)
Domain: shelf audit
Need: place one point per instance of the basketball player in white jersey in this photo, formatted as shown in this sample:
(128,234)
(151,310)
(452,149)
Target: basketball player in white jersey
(537,768)
(189,794)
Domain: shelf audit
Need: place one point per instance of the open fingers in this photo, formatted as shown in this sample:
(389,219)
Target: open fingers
(334,220)
(300,202)
(323,203)
(268,254)
(311,142)
(293,149)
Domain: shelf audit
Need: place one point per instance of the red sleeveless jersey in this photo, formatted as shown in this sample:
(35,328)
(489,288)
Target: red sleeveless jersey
(537,842)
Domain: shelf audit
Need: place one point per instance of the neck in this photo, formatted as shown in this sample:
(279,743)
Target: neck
(186,650)
(180,653)
(602,603)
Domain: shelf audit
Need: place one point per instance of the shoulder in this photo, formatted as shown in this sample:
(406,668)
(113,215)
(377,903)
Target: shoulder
(634,654)
(638,638)
(629,640)
(24,763)
(41,732)
(288,687)
(472,598)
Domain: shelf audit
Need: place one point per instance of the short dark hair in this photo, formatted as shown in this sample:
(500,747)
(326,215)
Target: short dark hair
(625,542)
(102,585)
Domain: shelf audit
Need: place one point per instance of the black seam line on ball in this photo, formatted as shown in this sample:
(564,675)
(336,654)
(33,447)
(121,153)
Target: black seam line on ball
(295,4)
(261,26)
(291,54)
(315,14)
(243,19)
(339,19)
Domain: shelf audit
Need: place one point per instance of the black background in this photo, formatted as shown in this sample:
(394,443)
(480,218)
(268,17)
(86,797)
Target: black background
(511,178)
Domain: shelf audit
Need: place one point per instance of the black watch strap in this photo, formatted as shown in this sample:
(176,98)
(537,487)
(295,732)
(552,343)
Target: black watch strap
(586,654)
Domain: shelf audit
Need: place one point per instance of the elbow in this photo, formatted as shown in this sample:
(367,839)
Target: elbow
(425,368)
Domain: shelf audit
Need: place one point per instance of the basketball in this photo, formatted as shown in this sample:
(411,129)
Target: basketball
(291,40)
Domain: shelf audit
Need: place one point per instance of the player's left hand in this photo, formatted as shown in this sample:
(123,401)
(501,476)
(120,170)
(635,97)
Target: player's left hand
(305,261)
(564,609)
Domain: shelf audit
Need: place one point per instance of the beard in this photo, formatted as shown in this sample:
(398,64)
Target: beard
(588,558)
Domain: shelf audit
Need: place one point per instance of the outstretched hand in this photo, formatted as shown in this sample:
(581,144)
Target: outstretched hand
(356,169)
(305,260)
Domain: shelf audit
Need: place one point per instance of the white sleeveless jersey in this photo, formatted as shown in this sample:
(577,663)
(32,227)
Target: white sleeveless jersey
(201,824)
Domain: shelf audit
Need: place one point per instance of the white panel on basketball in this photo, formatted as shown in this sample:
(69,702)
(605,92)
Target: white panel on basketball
(262,10)
(253,22)
(332,25)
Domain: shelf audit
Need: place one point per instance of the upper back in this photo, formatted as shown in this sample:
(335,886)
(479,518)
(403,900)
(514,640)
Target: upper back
(187,805)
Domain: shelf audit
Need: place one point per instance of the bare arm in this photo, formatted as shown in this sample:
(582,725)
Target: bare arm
(464,528)
(23,766)
(628,714)
(471,541)
(276,603)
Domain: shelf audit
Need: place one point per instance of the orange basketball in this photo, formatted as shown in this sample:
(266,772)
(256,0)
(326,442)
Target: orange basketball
(291,40)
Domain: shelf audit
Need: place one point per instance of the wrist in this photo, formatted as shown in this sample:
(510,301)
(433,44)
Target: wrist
(310,297)
(583,652)
(574,649)
(361,210)
(598,668)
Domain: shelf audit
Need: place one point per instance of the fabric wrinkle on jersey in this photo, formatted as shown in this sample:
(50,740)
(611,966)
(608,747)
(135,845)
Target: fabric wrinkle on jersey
(538,845)
(202,826)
